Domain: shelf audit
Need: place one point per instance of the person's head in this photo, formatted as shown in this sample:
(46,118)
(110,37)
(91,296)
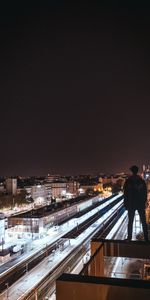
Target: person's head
(134,169)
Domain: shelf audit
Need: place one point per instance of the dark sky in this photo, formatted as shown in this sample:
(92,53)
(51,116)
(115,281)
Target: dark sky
(74,87)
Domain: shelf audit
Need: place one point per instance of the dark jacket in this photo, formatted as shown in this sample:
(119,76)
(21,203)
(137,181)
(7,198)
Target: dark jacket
(135,193)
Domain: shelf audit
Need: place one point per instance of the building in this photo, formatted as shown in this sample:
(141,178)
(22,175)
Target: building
(2,228)
(39,194)
(36,222)
(56,189)
(54,178)
(146,176)
(98,281)
(73,187)
(146,172)
(11,186)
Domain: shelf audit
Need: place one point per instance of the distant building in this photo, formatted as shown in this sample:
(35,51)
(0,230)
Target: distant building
(28,189)
(54,178)
(87,187)
(55,186)
(39,194)
(146,172)
(73,187)
(2,228)
(58,188)
(146,176)
(11,186)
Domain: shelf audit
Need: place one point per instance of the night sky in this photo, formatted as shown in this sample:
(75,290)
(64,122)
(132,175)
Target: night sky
(74,87)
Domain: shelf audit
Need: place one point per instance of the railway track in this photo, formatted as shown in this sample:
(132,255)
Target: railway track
(74,233)
(17,271)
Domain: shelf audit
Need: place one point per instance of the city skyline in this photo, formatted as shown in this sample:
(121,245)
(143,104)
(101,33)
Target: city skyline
(74,88)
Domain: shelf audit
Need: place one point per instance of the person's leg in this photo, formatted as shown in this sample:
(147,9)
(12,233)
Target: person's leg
(144,224)
(131,214)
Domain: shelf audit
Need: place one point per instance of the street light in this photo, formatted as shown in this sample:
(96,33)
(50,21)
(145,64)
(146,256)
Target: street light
(26,267)
(7,286)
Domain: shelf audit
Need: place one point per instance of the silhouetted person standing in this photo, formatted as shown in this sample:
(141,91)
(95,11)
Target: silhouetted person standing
(135,198)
